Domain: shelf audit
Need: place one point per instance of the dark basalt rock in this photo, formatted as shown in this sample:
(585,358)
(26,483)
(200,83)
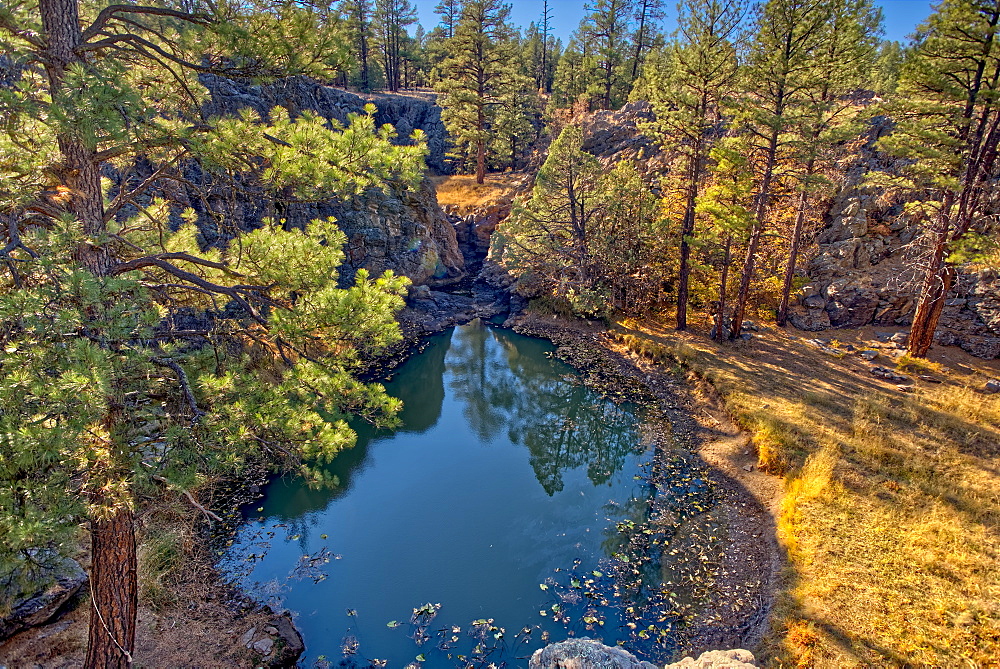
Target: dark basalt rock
(36,596)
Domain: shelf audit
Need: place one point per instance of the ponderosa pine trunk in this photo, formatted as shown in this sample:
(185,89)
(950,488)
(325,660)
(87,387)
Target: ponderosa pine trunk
(720,320)
(480,146)
(687,224)
(111,637)
(793,252)
(112,580)
(933,292)
(757,231)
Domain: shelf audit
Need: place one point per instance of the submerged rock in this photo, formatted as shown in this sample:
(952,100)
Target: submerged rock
(37,597)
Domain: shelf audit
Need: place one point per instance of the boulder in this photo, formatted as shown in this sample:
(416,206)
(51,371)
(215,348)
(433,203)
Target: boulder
(36,596)
(809,319)
(992,386)
(278,643)
(718,659)
(584,653)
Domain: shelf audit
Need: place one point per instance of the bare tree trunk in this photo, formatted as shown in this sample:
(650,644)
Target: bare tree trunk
(786,287)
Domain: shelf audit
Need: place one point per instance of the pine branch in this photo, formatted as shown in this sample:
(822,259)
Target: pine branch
(109,12)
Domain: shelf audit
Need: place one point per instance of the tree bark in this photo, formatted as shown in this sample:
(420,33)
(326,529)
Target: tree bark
(114,588)
(786,287)
(760,212)
(933,293)
(720,320)
(111,637)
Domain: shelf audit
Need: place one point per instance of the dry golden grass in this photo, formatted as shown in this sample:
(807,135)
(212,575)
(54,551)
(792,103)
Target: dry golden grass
(462,192)
(891,513)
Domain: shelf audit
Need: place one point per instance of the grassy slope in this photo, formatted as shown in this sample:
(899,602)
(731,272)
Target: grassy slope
(892,500)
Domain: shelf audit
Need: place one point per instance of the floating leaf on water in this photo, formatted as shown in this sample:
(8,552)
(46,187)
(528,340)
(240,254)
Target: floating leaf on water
(421,658)
(597,574)
(392,624)
(260,509)
(543,586)
(352,612)
(575,583)
(322,536)
(481,621)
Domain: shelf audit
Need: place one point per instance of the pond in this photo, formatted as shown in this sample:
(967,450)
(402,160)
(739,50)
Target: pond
(513,506)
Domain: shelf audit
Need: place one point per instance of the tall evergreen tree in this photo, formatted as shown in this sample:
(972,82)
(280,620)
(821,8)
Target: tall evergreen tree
(698,82)
(947,129)
(648,15)
(359,21)
(475,75)
(843,62)
(390,19)
(607,27)
(450,12)
(781,76)
(88,355)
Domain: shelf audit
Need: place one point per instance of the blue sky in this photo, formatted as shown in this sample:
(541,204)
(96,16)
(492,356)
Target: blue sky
(901,16)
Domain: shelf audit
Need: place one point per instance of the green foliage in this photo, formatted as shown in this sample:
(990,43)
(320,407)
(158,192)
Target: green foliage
(101,393)
(583,236)
(482,82)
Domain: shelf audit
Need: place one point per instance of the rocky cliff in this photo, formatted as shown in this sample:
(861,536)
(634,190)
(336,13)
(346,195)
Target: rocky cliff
(864,266)
(867,270)
(400,229)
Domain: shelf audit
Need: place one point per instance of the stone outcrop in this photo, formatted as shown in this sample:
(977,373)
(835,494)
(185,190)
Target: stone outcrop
(37,598)
(867,268)
(399,229)
(584,653)
(277,644)
(297,94)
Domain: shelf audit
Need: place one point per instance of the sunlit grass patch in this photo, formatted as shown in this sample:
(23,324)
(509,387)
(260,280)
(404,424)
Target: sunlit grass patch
(891,513)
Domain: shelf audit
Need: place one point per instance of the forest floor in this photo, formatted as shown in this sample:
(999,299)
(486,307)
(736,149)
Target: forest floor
(188,617)
(890,517)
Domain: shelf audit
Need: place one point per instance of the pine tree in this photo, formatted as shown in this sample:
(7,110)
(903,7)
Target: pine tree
(359,20)
(548,239)
(607,26)
(477,73)
(648,14)
(390,19)
(781,75)
(948,128)
(845,58)
(88,293)
(698,82)
(450,12)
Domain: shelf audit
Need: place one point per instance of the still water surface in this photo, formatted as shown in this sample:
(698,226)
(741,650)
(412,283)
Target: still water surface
(506,474)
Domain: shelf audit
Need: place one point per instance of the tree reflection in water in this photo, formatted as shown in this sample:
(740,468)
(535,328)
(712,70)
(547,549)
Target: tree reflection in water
(540,405)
